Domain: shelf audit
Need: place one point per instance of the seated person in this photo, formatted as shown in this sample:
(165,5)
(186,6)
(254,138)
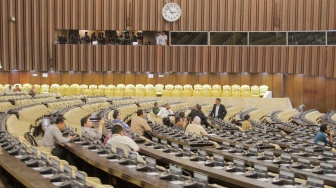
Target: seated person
(165,112)
(197,112)
(156,108)
(121,141)
(179,124)
(9,89)
(53,136)
(322,135)
(117,119)
(246,125)
(139,124)
(88,128)
(118,140)
(32,91)
(17,89)
(195,127)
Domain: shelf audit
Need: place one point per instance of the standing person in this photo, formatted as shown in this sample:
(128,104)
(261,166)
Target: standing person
(87,128)
(197,112)
(156,108)
(246,125)
(139,124)
(302,107)
(218,110)
(62,39)
(158,38)
(164,38)
(53,136)
(322,136)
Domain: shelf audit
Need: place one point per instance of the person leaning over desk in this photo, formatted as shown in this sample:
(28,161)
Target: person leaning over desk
(53,136)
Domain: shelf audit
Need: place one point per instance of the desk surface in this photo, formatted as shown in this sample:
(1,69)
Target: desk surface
(271,167)
(219,174)
(233,142)
(121,171)
(26,175)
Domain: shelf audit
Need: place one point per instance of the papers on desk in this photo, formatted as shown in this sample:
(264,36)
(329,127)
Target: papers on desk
(285,164)
(185,157)
(332,175)
(114,160)
(94,150)
(238,173)
(160,149)
(103,155)
(172,153)
(289,186)
(152,173)
(130,166)
(308,169)
(212,135)
(263,179)
(47,175)
(269,161)
(331,161)
(77,142)
(37,168)
(18,156)
(218,167)
(86,146)
(57,183)
(200,162)
(177,182)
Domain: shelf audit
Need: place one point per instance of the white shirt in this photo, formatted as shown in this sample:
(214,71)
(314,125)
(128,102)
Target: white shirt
(216,112)
(123,142)
(164,39)
(164,112)
(158,39)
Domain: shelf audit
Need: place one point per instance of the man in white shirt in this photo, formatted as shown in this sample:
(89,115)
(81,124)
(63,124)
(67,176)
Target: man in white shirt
(165,112)
(164,38)
(119,141)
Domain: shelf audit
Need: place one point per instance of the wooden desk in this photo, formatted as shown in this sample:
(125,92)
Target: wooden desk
(218,174)
(271,167)
(26,175)
(113,168)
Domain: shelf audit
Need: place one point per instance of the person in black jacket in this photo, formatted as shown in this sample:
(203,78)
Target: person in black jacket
(197,112)
(218,110)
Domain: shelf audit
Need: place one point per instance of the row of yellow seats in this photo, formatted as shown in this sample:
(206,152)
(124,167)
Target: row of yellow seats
(213,91)
(26,87)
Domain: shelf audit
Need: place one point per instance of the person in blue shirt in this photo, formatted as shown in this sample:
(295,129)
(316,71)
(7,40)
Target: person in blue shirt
(117,119)
(322,136)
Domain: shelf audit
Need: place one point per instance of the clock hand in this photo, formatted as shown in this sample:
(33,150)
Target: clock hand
(169,9)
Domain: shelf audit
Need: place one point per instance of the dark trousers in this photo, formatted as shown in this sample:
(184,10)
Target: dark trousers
(64,154)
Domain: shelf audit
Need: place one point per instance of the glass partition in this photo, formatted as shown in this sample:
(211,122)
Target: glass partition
(189,38)
(306,38)
(267,38)
(228,38)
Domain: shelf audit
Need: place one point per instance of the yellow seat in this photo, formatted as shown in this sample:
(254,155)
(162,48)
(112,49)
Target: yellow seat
(197,92)
(74,89)
(159,89)
(139,86)
(38,88)
(129,90)
(167,92)
(109,92)
(64,90)
(150,90)
(255,91)
(54,88)
(226,91)
(263,90)
(187,90)
(88,92)
(245,91)
(235,89)
(141,92)
(102,87)
(93,86)
(176,93)
(45,88)
(198,87)
(98,92)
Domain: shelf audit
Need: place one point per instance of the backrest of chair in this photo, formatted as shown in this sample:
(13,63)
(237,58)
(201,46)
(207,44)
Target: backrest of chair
(178,87)
(121,86)
(245,88)
(169,87)
(93,86)
(217,87)
(235,88)
(198,87)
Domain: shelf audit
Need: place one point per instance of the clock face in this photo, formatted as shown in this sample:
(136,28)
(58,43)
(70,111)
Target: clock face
(171,12)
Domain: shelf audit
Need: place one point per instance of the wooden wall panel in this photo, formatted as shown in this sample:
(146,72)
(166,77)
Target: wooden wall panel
(55,78)
(87,78)
(288,86)
(330,91)
(298,91)
(97,78)
(320,93)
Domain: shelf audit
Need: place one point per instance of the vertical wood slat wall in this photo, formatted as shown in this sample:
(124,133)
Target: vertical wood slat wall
(27,43)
